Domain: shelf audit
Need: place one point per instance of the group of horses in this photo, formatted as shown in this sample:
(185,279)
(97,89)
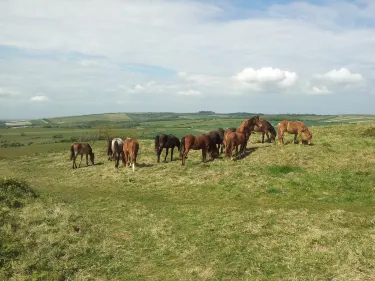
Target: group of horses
(214,142)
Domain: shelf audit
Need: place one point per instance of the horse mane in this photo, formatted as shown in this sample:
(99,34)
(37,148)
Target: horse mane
(272,129)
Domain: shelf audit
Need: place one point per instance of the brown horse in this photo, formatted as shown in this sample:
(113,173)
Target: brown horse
(247,125)
(130,148)
(81,148)
(202,142)
(233,140)
(267,129)
(293,127)
(167,142)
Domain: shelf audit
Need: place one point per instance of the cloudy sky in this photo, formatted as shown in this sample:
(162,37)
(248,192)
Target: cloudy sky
(73,57)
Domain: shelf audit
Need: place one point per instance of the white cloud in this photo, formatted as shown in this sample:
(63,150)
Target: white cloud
(189,93)
(257,79)
(39,98)
(342,75)
(320,90)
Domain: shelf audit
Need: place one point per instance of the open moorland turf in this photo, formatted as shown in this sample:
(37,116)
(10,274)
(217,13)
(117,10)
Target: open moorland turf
(292,212)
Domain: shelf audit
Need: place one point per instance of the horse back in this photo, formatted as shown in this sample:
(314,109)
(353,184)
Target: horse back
(82,147)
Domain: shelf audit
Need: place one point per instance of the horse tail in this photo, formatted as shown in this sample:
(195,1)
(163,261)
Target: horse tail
(182,146)
(72,152)
(135,149)
(157,143)
(116,147)
(228,145)
(178,144)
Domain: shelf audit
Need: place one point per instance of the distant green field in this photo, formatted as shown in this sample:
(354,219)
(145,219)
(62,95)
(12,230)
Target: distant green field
(93,117)
(180,121)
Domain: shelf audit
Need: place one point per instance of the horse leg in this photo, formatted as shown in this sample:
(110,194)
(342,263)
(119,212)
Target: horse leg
(300,137)
(295,138)
(158,152)
(184,155)
(87,160)
(268,137)
(172,153)
(263,137)
(166,154)
(117,160)
(204,155)
(80,161)
(74,161)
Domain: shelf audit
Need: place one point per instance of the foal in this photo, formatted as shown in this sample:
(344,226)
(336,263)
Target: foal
(81,148)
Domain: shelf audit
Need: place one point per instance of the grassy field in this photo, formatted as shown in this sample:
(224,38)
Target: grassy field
(291,212)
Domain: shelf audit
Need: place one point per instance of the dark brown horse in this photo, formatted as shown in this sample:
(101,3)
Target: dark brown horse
(293,127)
(267,129)
(202,142)
(82,148)
(218,138)
(130,148)
(167,142)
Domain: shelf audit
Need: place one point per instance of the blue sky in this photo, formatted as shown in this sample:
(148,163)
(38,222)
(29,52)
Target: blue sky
(92,56)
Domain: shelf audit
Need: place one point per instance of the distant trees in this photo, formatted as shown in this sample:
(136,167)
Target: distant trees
(206,112)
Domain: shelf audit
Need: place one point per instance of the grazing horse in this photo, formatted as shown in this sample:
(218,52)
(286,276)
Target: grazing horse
(117,150)
(293,127)
(167,142)
(218,138)
(130,148)
(203,142)
(81,148)
(266,128)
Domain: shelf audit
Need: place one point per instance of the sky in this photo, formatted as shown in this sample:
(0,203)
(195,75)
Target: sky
(74,57)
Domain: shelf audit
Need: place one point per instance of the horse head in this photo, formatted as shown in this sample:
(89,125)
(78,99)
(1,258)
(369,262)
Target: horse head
(308,135)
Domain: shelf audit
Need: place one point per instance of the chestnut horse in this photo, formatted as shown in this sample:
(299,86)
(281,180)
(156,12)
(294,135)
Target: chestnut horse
(293,127)
(130,148)
(202,142)
(267,129)
(235,139)
(117,150)
(167,142)
(249,125)
(81,148)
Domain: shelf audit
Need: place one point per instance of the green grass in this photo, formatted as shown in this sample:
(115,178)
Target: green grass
(285,212)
